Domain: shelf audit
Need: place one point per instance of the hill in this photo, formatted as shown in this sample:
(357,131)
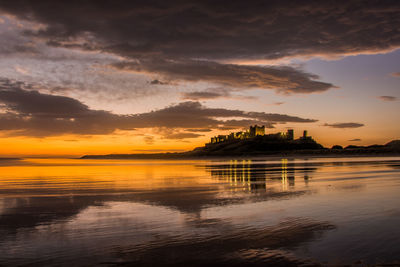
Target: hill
(263,146)
(394,144)
(259,145)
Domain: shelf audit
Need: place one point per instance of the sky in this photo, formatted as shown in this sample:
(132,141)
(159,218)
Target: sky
(100,77)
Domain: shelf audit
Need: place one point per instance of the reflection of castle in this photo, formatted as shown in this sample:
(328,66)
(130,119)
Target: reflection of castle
(254,176)
(240,174)
(258,131)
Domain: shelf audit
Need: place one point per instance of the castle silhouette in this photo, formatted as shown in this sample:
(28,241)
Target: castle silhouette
(255,131)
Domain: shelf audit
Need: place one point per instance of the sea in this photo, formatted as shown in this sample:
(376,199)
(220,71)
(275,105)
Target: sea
(338,211)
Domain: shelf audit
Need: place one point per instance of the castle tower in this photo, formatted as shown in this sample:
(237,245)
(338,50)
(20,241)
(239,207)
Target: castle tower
(290,134)
(260,130)
(256,130)
(252,131)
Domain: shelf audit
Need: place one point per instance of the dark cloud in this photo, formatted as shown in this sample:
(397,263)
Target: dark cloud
(32,113)
(198,130)
(344,125)
(355,140)
(22,49)
(193,40)
(148,140)
(218,30)
(387,98)
(278,103)
(282,79)
(33,103)
(37,114)
(194,115)
(158,82)
(395,74)
(203,95)
(179,135)
(214,93)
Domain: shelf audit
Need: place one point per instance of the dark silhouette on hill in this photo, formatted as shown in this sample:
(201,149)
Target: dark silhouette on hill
(252,144)
(258,145)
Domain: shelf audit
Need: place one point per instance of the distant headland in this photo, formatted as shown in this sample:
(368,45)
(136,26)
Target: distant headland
(255,142)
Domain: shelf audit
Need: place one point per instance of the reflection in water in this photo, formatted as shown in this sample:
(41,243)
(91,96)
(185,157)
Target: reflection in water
(235,246)
(282,212)
(254,177)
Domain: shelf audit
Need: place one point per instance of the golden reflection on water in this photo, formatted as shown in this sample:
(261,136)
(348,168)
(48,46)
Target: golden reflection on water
(250,176)
(238,172)
(73,175)
(69,175)
(284,174)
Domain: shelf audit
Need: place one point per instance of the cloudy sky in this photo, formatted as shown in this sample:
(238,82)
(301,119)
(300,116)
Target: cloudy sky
(79,77)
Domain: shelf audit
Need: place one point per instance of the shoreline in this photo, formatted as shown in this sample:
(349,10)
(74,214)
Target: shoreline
(247,156)
(261,146)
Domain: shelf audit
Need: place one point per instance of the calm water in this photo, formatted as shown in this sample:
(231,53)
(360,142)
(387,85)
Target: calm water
(278,212)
